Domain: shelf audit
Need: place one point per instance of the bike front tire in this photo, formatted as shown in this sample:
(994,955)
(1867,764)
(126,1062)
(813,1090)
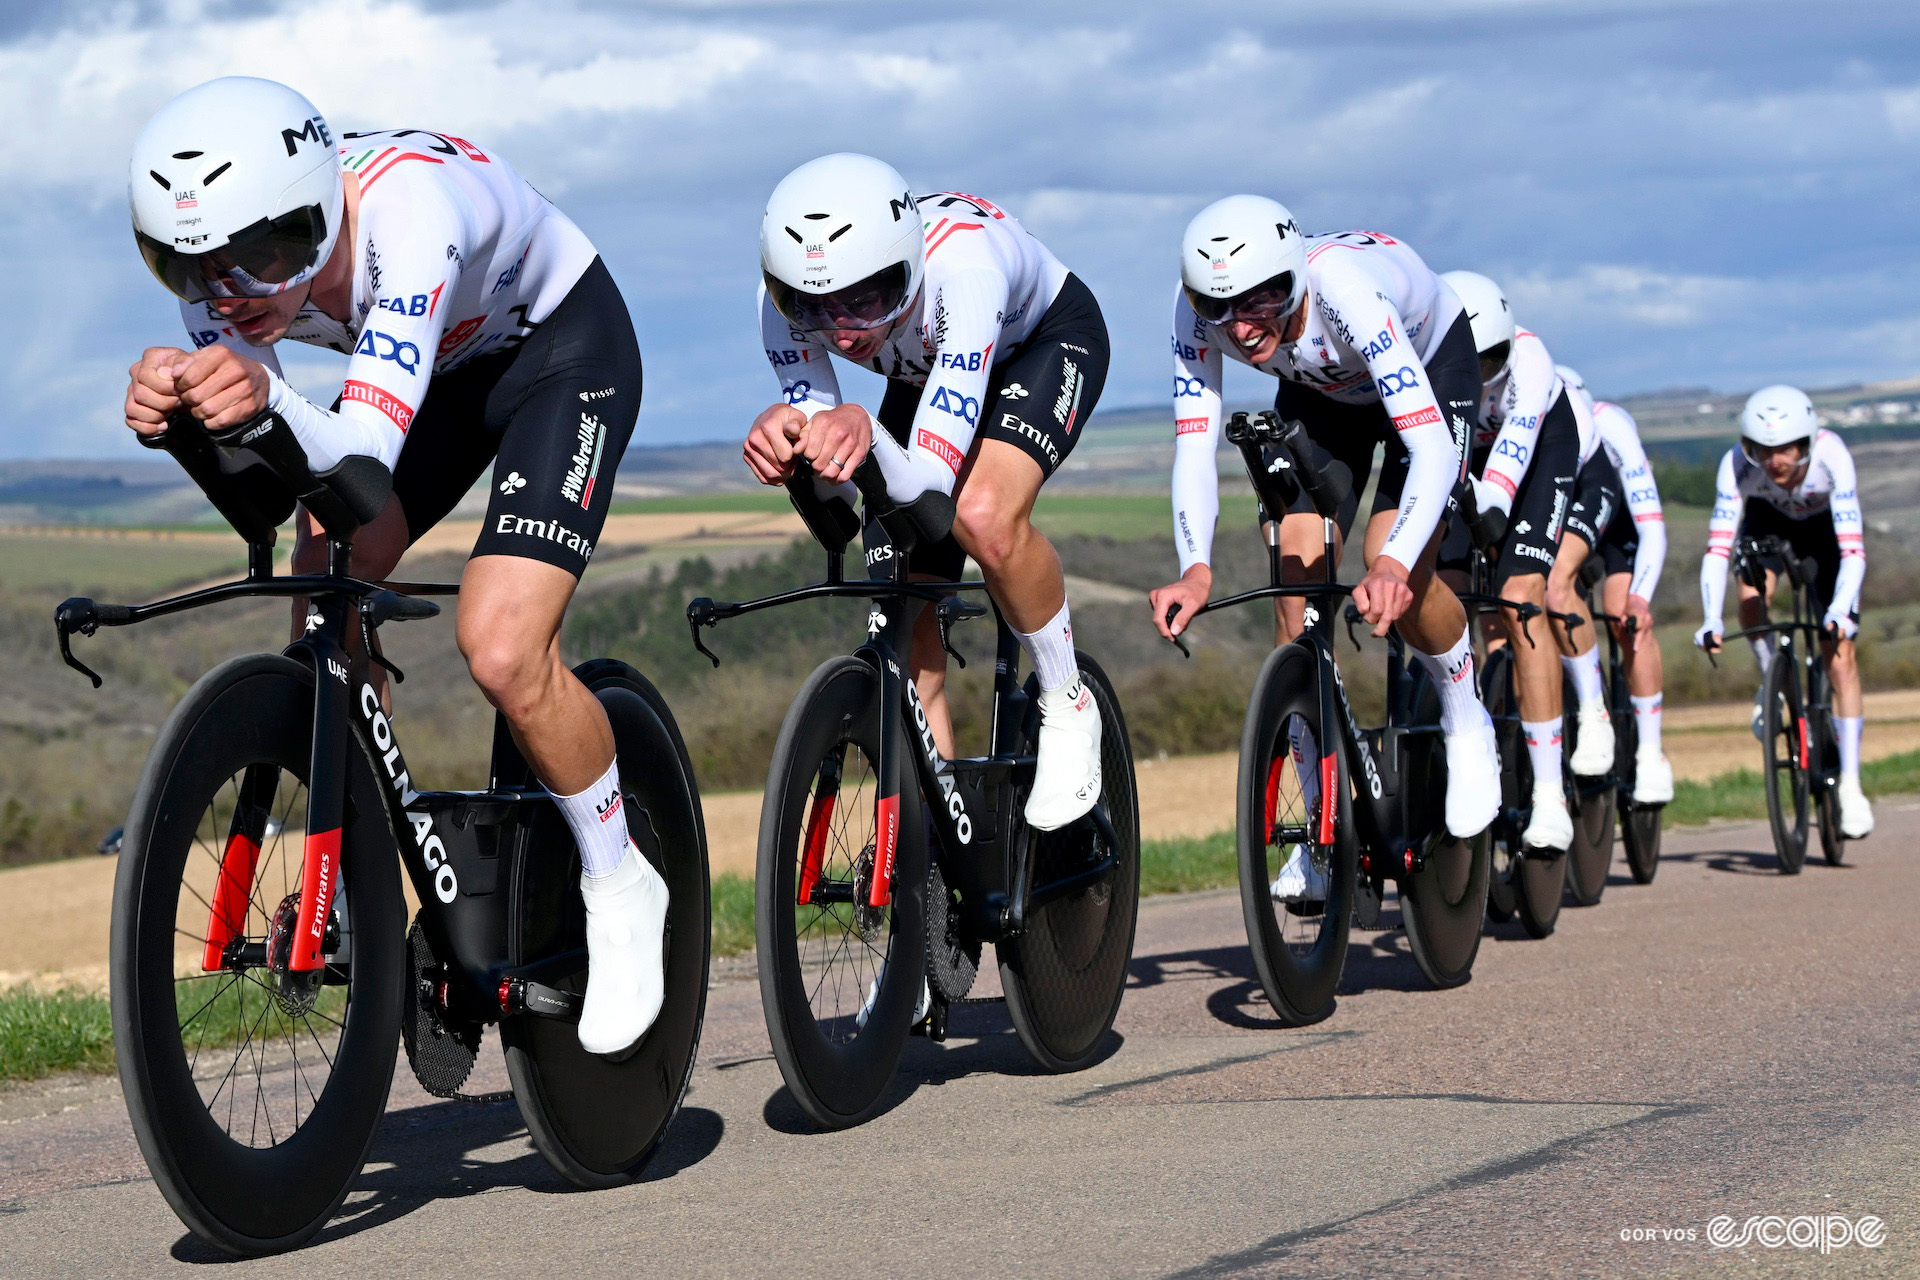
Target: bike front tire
(254,1110)
(1782,725)
(1443,901)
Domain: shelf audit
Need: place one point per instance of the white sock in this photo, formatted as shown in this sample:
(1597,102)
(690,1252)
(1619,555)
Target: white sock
(1584,671)
(1050,649)
(598,823)
(1849,728)
(1306,761)
(1543,748)
(1646,718)
(1762,653)
(1452,674)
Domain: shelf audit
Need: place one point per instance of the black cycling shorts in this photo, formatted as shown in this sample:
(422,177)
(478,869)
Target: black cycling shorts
(1598,500)
(1347,433)
(1539,509)
(1038,399)
(552,415)
(1812,536)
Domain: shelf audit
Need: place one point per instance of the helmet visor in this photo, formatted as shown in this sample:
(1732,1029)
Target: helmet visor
(1757,452)
(258,262)
(1269,302)
(866,304)
(1493,361)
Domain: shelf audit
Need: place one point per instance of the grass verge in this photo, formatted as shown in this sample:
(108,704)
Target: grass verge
(42,1032)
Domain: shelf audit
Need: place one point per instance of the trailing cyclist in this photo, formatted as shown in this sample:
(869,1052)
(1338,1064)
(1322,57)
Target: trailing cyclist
(1789,479)
(1525,456)
(1615,481)
(994,355)
(1370,348)
(481,328)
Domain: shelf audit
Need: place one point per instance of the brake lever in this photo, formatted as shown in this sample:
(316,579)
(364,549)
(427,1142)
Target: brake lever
(73,615)
(700,614)
(1353,619)
(1524,613)
(373,651)
(1178,642)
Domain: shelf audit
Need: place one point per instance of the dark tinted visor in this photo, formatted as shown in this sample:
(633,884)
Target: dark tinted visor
(865,304)
(1494,359)
(257,262)
(1757,452)
(1267,302)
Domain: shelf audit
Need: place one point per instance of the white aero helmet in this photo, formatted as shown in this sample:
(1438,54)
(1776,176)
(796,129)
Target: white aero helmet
(1778,415)
(1243,258)
(1574,383)
(841,244)
(1490,317)
(235,188)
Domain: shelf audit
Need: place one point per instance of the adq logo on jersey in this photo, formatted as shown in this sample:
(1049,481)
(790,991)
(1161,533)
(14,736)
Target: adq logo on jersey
(577,486)
(384,346)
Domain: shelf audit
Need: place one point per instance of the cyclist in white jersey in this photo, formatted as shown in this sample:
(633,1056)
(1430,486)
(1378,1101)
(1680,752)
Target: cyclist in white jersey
(1788,478)
(1524,460)
(481,329)
(1615,515)
(994,355)
(1370,348)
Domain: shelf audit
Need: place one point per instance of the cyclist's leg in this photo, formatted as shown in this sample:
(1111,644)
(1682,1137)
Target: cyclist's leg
(1061,368)
(1341,433)
(564,410)
(1815,537)
(1653,774)
(1596,500)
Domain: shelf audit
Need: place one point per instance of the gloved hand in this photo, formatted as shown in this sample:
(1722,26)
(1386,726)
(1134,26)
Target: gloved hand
(1708,636)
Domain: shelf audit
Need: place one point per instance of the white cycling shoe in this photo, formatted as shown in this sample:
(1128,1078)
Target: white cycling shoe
(1856,811)
(1066,777)
(873,994)
(626,967)
(1759,714)
(1652,778)
(1473,781)
(1300,880)
(1593,757)
(1551,826)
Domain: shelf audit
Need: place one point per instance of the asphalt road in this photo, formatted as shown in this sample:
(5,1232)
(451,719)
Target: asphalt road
(1724,1041)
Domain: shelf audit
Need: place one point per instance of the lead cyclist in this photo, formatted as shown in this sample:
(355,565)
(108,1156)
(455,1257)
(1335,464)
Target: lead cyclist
(994,355)
(481,329)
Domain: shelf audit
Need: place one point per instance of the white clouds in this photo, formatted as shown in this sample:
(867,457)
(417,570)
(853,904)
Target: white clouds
(1627,297)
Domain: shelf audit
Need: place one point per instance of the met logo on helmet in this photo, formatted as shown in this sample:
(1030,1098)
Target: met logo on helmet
(313,130)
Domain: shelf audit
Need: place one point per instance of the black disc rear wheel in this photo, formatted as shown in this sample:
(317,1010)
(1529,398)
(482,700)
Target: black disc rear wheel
(1783,730)
(1299,945)
(839,979)
(1826,793)
(1064,974)
(254,1090)
(596,1120)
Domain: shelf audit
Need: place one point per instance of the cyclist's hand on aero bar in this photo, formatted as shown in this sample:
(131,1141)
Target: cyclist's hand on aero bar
(837,441)
(1708,636)
(770,448)
(1640,613)
(222,387)
(1184,598)
(1383,595)
(150,394)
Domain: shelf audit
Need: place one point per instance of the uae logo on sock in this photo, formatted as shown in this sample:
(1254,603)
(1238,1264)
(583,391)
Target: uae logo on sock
(608,807)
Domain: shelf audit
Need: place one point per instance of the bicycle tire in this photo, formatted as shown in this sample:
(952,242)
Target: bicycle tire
(1065,973)
(1443,902)
(1300,974)
(598,1121)
(837,1068)
(1826,749)
(1516,782)
(249,1200)
(1782,722)
(1640,836)
(1591,806)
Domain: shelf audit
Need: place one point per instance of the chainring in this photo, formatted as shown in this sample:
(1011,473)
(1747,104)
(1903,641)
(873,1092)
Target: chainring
(953,962)
(440,1049)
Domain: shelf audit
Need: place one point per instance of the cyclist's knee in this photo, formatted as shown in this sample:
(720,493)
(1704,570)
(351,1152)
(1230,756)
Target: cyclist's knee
(510,670)
(990,532)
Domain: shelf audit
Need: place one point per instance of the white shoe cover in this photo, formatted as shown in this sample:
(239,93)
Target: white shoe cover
(626,966)
(1066,779)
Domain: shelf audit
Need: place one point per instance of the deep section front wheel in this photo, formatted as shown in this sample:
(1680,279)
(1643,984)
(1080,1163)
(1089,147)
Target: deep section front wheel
(1826,785)
(1065,972)
(1640,836)
(1444,896)
(599,1121)
(1785,753)
(254,1089)
(1590,803)
(1516,782)
(1299,942)
(840,978)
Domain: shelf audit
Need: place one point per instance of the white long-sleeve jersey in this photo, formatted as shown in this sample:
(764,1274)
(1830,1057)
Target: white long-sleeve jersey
(1619,435)
(455,256)
(987,283)
(1829,485)
(1378,314)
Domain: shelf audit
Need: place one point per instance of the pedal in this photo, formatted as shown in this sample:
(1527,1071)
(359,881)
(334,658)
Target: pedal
(519,995)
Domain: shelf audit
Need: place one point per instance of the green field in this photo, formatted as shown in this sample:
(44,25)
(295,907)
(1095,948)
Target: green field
(132,566)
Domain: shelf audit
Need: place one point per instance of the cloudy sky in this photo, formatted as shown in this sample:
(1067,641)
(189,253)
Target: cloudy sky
(1674,192)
